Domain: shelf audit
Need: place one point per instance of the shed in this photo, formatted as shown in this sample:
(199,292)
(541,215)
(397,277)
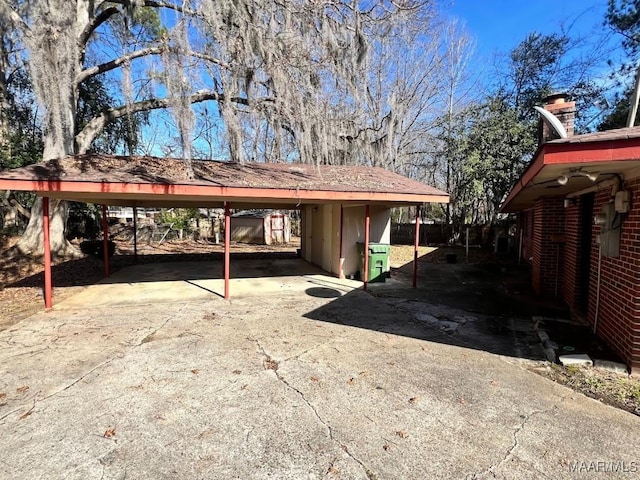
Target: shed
(261,227)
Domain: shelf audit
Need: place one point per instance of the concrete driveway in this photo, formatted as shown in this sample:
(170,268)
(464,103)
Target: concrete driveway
(314,380)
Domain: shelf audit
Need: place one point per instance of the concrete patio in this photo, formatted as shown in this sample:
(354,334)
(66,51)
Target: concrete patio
(298,376)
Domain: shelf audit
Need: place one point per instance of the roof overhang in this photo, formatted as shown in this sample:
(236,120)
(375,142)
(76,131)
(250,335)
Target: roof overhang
(91,185)
(606,158)
(164,195)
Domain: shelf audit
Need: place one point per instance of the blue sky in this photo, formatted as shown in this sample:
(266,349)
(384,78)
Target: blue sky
(499,25)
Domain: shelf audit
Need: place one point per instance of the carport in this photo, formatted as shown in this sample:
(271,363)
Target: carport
(338,193)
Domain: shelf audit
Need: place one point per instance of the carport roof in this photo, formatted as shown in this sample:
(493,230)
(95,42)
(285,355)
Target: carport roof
(151,181)
(609,153)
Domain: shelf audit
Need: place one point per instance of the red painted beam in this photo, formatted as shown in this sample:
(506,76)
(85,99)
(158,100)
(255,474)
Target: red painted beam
(113,190)
(105,240)
(415,248)
(227,243)
(367,225)
(575,153)
(603,151)
(48,285)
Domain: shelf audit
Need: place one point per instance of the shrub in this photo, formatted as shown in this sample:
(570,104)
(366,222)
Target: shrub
(179,218)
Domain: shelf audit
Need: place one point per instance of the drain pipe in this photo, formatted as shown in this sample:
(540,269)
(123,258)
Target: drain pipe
(467,245)
(520,249)
(557,266)
(595,320)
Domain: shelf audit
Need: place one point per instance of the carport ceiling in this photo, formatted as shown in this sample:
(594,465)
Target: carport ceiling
(159,182)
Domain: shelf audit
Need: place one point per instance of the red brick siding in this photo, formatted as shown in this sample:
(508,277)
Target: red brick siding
(546,266)
(572,247)
(619,297)
(619,304)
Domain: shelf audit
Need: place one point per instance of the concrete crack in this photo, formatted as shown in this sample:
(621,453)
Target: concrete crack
(67,387)
(271,364)
(310,349)
(149,337)
(515,442)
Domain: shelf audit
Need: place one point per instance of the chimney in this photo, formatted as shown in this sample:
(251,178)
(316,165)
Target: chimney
(565,111)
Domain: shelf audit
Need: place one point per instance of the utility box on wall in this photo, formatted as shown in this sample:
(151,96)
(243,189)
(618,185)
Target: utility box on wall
(610,223)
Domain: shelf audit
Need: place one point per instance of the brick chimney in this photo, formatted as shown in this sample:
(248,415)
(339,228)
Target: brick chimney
(565,111)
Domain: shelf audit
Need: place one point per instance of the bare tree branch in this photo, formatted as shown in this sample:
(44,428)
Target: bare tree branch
(155,4)
(116,62)
(96,125)
(102,17)
(13,203)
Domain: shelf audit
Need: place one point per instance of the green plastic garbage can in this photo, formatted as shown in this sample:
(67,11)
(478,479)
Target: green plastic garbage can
(378,261)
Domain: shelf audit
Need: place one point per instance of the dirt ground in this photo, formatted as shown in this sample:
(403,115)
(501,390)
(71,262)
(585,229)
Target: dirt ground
(21,293)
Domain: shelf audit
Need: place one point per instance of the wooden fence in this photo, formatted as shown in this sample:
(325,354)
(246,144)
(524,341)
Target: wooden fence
(404,234)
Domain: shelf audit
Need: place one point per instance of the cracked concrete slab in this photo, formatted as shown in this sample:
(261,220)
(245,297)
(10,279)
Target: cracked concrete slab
(287,386)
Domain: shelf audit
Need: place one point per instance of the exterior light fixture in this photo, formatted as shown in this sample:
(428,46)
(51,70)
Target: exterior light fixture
(564,178)
(593,176)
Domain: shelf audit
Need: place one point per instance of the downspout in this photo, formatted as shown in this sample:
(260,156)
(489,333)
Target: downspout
(520,247)
(595,320)
(557,268)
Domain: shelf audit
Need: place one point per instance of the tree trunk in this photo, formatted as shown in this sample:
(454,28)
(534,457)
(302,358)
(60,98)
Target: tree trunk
(32,241)
(58,142)
(5,143)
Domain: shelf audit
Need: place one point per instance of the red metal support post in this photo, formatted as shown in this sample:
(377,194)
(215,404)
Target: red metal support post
(105,240)
(415,248)
(135,234)
(227,242)
(367,225)
(48,287)
(341,264)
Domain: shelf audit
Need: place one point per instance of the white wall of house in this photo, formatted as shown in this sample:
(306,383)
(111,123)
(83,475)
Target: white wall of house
(321,235)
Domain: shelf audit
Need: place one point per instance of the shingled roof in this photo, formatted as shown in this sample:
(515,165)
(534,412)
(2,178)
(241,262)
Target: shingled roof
(607,135)
(609,154)
(147,181)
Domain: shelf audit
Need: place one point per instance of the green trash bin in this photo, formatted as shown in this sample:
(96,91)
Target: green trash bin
(378,261)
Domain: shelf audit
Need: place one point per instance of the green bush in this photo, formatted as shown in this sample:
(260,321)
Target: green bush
(179,218)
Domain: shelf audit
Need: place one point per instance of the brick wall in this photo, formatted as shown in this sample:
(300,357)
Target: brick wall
(547,251)
(572,248)
(618,321)
(565,112)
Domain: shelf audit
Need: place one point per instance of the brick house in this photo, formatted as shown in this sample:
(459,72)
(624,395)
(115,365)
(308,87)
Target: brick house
(578,226)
